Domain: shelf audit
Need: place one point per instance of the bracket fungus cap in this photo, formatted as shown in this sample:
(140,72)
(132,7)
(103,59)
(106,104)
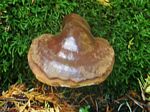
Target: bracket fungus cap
(73,58)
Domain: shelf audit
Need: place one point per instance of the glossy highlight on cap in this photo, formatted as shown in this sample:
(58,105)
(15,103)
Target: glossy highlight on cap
(73,58)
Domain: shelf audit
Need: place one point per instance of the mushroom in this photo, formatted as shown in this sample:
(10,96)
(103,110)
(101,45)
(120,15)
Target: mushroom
(73,58)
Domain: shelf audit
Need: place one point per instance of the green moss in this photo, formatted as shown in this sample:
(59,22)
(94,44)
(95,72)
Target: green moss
(126,26)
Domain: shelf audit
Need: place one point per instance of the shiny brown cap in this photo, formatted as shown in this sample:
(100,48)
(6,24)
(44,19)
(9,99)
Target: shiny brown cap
(72,58)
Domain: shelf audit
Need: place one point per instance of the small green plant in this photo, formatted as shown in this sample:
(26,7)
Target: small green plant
(84,109)
(145,87)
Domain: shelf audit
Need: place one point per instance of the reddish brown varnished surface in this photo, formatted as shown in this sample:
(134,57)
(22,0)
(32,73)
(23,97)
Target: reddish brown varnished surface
(72,58)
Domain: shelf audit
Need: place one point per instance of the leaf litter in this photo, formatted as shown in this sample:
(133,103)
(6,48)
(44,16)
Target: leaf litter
(19,99)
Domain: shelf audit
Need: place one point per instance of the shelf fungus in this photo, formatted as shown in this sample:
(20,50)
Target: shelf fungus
(73,58)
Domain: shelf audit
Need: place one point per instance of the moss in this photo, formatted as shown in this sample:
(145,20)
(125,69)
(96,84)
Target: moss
(125,24)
